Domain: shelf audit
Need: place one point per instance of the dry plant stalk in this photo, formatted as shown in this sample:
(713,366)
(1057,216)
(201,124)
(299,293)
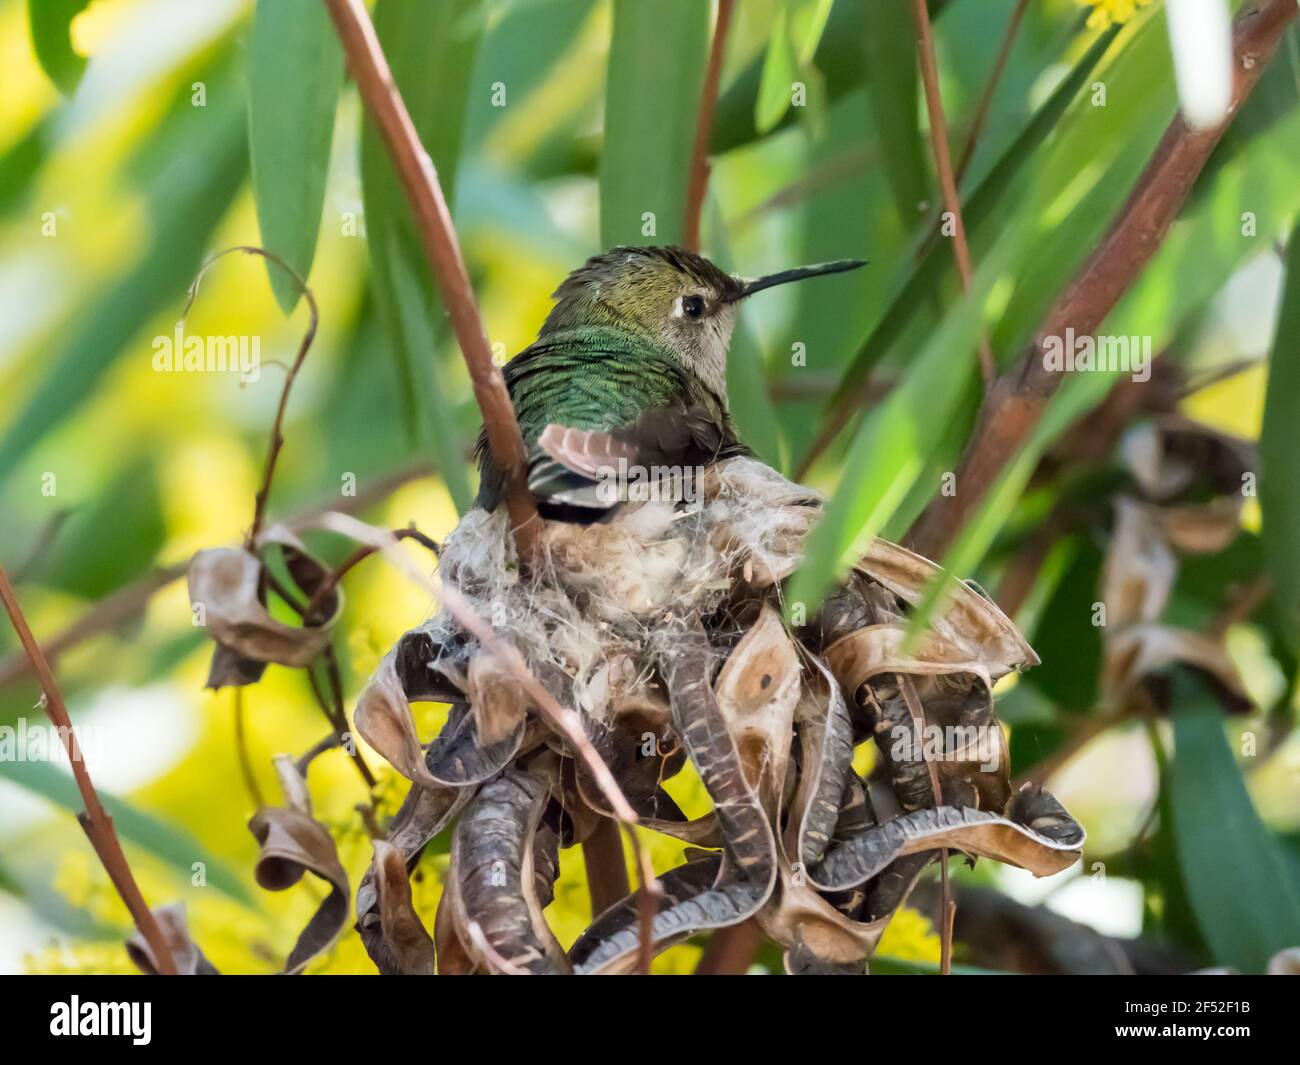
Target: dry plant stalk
(379,93)
(943,164)
(699,173)
(95,821)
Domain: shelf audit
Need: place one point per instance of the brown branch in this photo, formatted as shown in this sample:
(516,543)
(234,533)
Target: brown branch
(943,165)
(1083,732)
(127,602)
(730,951)
(415,169)
(339,718)
(602,855)
(1020,396)
(95,821)
(698,181)
(241,752)
(990,88)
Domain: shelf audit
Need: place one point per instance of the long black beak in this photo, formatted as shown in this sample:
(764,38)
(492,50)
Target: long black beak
(748,288)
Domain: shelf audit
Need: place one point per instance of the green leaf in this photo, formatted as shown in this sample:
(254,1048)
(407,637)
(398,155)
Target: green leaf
(110,540)
(174,846)
(896,438)
(892,81)
(295,73)
(431,49)
(922,277)
(50,22)
(1279,482)
(1245,902)
(188,173)
(22,162)
(747,371)
(1164,885)
(520,50)
(838,57)
(652,93)
(51,907)
(780,71)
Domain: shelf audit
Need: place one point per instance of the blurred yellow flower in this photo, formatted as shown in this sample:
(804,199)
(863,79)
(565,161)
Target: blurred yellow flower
(1106,13)
(910,937)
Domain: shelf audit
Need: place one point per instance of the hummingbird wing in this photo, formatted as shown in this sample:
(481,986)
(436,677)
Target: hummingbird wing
(661,455)
(601,396)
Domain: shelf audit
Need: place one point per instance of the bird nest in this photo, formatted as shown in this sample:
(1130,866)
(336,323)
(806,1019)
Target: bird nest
(666,630)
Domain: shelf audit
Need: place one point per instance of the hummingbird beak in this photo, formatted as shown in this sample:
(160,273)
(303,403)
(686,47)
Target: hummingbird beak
(748,288)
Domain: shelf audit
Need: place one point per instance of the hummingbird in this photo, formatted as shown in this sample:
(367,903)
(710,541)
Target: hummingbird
(629,366)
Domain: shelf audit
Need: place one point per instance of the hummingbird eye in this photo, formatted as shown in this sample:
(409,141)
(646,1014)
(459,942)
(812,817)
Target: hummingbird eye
(693,306)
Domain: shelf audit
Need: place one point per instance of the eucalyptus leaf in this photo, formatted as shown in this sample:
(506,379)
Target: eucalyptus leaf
(1240,888)
(295,73)
(1279,496)
(656,70)
(173,845)
(50,22)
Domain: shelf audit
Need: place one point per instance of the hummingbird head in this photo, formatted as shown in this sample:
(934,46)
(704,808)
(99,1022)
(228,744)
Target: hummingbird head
(681,300)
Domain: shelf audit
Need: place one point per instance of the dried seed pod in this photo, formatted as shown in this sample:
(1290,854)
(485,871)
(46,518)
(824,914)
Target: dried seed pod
(497,700)
(756,692)
(689,901)
(293,844)
(406,939)
(423,814)
(1036,833)
(186,955)
(493,867)
(227,591)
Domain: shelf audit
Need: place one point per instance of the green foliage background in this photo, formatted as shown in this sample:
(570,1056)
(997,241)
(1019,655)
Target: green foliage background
(555,126)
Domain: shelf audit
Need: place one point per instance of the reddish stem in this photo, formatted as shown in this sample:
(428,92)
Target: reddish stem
(96,821)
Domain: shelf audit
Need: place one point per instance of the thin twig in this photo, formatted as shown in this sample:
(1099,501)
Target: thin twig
(990,89)
(916,709)
(1020,396)
(374,80)
(325,743)
(699,174)
(241,752)
(96,821)
(948,917)
(362,553)
(943,165)
(277,435)
(336,693)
